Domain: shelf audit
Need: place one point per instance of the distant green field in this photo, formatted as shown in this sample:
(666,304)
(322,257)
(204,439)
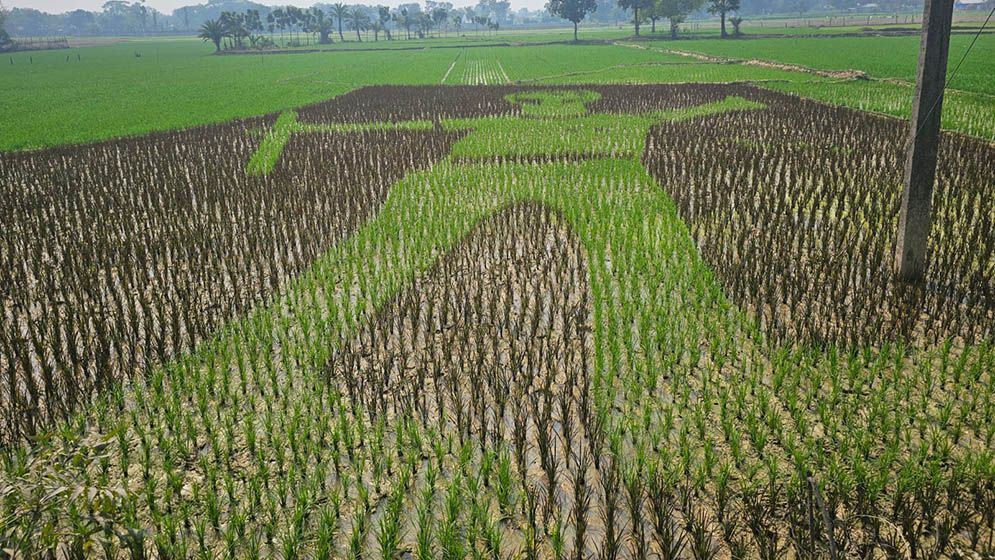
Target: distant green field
(969,113)
(881,57)
(137,86)
(111,91)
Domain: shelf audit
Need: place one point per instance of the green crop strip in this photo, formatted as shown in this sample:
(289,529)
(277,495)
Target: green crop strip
(597,134)
(554,127)
(551,104)
(272,145)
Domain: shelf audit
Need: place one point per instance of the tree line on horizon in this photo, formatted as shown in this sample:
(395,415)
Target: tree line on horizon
(676,11)
(126,18)
(5,41)
(291,26)
(299,27)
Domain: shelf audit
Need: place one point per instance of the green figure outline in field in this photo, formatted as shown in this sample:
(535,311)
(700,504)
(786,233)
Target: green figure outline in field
(553,124)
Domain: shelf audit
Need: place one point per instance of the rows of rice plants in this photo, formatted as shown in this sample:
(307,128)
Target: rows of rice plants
(666,72)
(525,355)
(879,56)
(122,254)
(964,112)
(474,70)
(177,84)
(448,105)
(796,208)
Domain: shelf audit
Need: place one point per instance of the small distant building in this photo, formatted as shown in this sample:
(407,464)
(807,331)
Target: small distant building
(973,4)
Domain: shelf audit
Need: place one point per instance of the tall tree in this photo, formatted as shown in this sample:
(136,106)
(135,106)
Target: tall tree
(653,14)
(278,17)
(480,21)
(723,7)
(79,22)
(143,13)
(297,18)
(233,25)
(439,16)
(5,42)
(638,6)
(321,25)
(573,11)
(383,13)
(403,17)
(253,21)
(359,20)
(341,12)
(676,11)
(213,31)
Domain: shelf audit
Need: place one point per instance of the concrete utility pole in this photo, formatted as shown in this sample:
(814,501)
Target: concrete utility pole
(924,136)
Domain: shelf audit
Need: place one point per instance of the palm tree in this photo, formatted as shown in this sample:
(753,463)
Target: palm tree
(340,11)
(383,12)
(359,20)
(233,25)
(213,31)
(723,7)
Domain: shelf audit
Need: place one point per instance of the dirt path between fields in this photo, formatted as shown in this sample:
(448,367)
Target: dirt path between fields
(836,74)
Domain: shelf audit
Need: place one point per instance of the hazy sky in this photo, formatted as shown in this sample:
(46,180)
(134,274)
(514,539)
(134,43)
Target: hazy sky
(167,6)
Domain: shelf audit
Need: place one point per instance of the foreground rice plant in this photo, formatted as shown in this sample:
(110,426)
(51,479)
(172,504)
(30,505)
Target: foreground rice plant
(521,354)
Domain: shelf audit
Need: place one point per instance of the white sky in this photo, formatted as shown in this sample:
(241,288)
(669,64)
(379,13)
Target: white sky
(167,6)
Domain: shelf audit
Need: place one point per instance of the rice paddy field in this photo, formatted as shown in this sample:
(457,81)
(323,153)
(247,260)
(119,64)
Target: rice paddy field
(508,302)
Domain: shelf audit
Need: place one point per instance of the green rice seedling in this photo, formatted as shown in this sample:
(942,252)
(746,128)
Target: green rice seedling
(450,537)
(328,522)
(357,537)
(667,534)
(700,539)
(557,541)
(290,543)
(611,492)
(389,533)
(635,499)
(493,538)
(424,539)
(530,532)
(505,486)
